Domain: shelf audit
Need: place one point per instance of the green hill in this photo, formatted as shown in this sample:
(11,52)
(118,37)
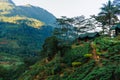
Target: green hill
(96,60)
(23,30)
(28,12)
(19,30)
(23,27)
(20,45)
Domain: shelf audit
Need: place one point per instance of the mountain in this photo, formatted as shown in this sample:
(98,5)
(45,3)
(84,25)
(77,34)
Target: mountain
(6,1)
(37,13)
(10,10)
(23,30)
(9,2)
(29,23)
(27,26)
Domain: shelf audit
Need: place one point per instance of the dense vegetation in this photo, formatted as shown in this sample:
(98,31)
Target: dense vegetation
(66,58)
(31,49)
(79,62)
(21,37)
(20,41)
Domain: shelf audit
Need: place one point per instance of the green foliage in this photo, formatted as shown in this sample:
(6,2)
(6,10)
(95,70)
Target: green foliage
(50,47)
(77,54)
(56,69)
(64,48)
(77,43)
(78,64)
(12,73)
(75,64)
(88,55)
(22,41)
(108,15)
(22,33)
(56,77)
(80,72)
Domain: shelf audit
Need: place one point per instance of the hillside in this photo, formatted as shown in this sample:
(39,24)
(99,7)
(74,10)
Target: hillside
(23,30)
(96,60)
(9,9)
(22,41)
(35,45)
(24,26)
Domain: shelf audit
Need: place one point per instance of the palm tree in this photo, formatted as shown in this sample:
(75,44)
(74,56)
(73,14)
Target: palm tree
(108,14)
(116,2)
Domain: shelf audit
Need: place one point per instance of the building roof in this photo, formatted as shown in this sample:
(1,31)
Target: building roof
(92,34)
(89,35)
(115,26)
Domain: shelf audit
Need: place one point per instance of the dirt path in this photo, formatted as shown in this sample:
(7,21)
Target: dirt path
(95,56)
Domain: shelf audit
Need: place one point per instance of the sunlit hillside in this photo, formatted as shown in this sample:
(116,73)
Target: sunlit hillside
(20,20)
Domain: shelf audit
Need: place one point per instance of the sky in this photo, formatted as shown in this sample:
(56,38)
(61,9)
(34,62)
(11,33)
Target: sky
(69,8)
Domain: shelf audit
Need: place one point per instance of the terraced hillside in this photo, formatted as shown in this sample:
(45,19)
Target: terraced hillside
(93,60)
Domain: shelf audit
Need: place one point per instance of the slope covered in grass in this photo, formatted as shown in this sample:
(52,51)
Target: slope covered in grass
(94,60)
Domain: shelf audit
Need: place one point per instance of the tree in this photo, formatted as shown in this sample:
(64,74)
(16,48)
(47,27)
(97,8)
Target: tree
(102,20)
(83,25)
(64,29)
(50,47)
(77,23)
(117,3)
(108,14)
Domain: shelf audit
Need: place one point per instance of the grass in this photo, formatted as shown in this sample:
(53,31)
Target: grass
(19,19)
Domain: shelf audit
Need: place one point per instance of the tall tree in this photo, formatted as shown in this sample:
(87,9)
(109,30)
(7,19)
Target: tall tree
(77,23)
(102,20)
(50,47)
(109,13)
(83,25)
(64,29)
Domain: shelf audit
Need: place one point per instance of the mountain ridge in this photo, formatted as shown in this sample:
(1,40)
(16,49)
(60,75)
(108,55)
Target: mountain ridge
(7,1)
(9,9)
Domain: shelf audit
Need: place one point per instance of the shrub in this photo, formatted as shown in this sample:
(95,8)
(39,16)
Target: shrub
(50,47)
(88,55)
(56,69)
(75,64)
(77,43)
